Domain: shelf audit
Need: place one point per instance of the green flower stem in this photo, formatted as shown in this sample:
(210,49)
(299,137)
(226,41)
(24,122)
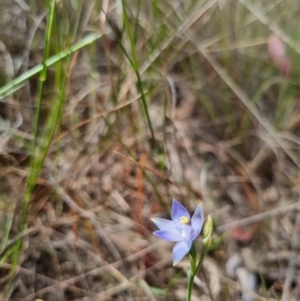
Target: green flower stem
(193,256)
(194,271)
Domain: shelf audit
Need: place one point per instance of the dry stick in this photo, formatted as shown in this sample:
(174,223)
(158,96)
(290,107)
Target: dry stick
(146,288)
(144,167)
(259,217)
(95,117)
(263,155)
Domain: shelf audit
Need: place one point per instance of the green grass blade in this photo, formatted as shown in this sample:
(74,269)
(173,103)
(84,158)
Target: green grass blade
(135,66)
(16,83)
(43,74)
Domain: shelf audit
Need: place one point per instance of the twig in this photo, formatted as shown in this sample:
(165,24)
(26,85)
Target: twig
(259,217)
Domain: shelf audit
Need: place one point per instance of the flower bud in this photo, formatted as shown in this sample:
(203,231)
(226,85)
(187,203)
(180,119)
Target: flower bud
(207,232)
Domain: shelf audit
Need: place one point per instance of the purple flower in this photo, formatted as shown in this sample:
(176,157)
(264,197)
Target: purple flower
(182,228)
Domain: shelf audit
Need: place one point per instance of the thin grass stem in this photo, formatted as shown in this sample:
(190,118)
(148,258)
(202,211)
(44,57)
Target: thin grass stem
(16,83)
(135,66)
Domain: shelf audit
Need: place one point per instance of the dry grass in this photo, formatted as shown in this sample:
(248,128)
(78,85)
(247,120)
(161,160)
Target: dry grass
(225,120)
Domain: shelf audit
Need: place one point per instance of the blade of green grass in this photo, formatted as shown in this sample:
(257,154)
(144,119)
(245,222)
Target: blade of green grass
(7,229)
(43,74)
(135,66)
(16,83)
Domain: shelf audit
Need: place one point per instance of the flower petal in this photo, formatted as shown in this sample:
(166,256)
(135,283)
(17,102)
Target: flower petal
(164,224)
(168,235)
(180,250)
(193,235)
(178,211)
(197,219)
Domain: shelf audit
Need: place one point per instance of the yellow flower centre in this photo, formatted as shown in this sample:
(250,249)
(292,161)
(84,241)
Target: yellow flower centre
(184,220)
